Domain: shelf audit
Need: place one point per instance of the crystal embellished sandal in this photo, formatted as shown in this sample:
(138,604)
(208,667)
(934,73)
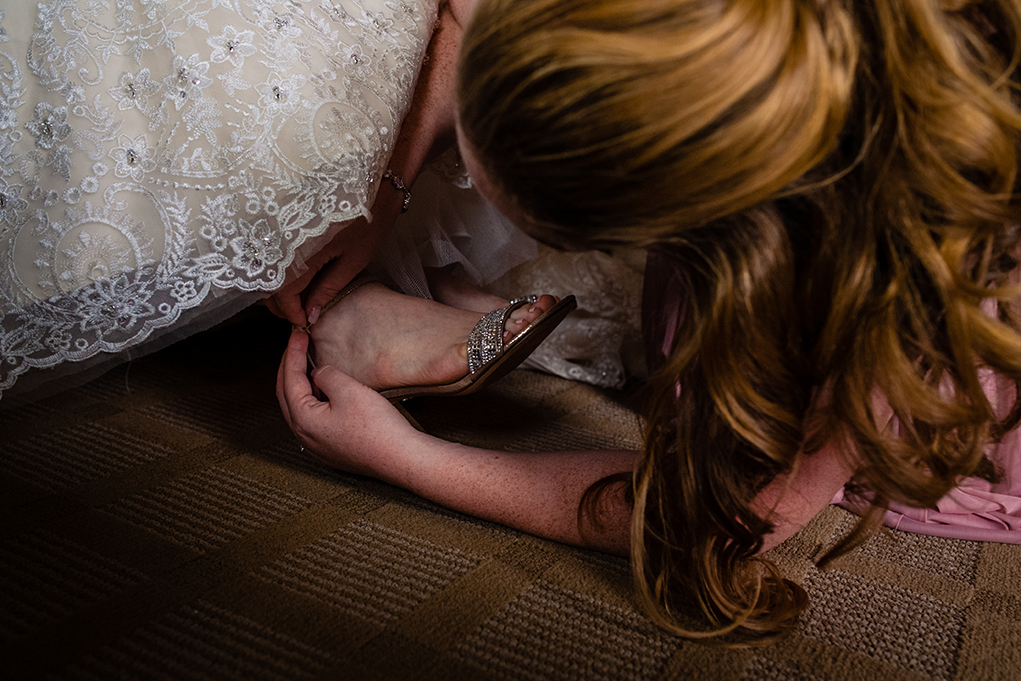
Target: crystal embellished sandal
(489,357)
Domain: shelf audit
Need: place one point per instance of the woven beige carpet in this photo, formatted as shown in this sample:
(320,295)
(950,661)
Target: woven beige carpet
(160,523)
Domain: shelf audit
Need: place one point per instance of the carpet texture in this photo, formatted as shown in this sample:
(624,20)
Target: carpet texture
(161,523)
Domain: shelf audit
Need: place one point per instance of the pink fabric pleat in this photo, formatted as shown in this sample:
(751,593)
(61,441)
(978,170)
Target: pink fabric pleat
(975,510)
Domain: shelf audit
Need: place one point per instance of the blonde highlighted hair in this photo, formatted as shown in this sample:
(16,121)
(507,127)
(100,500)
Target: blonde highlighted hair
(836,181)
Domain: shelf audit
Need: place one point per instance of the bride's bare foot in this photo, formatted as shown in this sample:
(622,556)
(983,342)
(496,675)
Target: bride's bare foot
(386,339)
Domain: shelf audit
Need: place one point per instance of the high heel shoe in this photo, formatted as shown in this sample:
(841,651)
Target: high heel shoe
(489,356)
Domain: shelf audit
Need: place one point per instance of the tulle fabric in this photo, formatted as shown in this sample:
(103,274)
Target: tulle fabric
(449,222)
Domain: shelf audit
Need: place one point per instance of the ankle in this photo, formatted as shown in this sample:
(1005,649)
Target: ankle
(452,286)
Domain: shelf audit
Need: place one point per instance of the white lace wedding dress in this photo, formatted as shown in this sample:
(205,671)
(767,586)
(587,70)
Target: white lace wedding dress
(164,162)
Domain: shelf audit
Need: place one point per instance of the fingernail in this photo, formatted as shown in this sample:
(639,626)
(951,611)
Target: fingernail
(532,309)
(313,316)
(318,370)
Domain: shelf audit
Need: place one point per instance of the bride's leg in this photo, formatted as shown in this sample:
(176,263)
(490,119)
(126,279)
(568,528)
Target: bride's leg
(386,339)
(450,285)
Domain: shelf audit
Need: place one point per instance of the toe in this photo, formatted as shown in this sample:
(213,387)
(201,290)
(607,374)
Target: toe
(520,318)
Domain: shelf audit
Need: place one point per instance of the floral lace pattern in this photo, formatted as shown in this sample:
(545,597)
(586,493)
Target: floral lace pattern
(156,155)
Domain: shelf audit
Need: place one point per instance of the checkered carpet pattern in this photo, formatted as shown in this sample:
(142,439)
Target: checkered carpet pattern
(161,522)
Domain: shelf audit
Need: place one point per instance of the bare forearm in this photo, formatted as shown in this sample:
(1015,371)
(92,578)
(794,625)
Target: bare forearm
(538,493)
(355,429)
(428,127)
(790,501)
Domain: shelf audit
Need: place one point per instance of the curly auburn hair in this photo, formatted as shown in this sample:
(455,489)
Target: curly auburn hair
(836,181)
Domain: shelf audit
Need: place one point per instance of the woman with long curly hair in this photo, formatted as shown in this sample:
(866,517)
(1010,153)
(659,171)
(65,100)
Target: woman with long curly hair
(828,193)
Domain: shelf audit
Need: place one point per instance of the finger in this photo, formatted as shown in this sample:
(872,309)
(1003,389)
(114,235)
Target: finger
(367,421)
(339,388)
(279,389)
(286,302)
(351,250)
(333,382)
(295,390)
(330,281)
(274,307)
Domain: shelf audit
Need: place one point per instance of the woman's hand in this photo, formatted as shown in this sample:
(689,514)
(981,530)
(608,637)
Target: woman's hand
(333,266)
(360,432)
(357,430)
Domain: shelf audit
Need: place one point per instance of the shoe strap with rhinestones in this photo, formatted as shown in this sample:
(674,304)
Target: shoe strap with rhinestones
(485,343)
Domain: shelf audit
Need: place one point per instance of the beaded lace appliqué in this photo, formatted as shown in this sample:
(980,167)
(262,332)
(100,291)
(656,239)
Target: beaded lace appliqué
(158,155)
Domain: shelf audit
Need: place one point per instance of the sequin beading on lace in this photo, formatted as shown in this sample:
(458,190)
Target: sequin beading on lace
(161,157)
